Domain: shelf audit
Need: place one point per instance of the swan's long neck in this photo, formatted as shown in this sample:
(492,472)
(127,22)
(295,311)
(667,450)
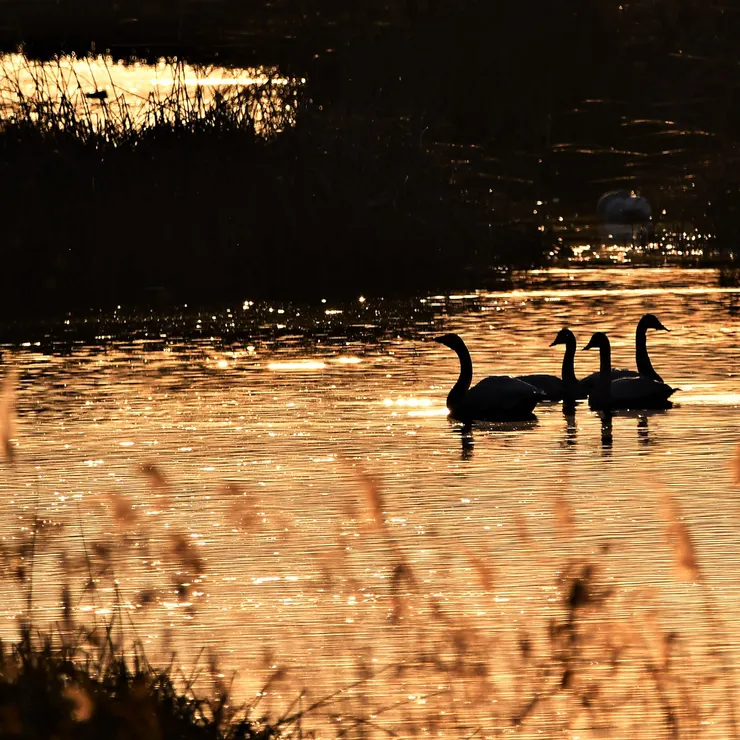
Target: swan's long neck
(460,388)
(644,366)
(605,373)
(569,370)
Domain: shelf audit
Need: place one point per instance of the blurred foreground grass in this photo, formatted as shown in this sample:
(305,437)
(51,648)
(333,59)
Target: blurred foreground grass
(604,657)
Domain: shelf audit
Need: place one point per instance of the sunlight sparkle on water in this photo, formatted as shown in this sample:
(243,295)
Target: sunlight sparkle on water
(350,525)
(709,399)
(299,365)
(413,402)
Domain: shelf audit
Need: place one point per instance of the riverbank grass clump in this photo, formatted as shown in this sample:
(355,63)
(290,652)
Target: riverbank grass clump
(52,687)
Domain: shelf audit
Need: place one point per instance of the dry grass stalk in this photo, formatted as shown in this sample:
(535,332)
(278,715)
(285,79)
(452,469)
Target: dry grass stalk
(373,498)
(736,466)
(67,615)
(146,597)
(7,413)
(123,509)
(157,480)
(185,551)
(242,505)
(678,537)
(402,581)
(652,634)
(564,517)
(481,568)
(565,520)
(522,531)
(398,608)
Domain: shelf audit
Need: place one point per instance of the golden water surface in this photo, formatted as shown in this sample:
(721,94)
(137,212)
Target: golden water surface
(278,485)
(104,93)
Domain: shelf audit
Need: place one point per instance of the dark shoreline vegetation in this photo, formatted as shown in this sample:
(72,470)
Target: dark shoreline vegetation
(205,208)
(85,687)
(426,132)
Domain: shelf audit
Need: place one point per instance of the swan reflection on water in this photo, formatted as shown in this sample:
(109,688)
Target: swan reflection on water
(643,431)
(607,437)
(466,431)
(571,427)
(505,402)
(644,438)
(643,425)
(467,442)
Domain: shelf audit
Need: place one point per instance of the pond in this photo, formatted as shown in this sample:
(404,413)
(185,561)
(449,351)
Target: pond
(279,486)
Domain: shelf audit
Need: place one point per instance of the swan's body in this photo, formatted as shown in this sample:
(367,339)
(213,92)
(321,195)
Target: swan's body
(567,388)
(638,392)
(644,366)
(591,381)
(496,398)
(550,385)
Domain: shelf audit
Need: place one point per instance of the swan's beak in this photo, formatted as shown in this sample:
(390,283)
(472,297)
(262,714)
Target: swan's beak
(664,328)
(588,346)
(554,342)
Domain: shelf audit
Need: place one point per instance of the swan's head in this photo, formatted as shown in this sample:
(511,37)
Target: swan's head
(453,341)
(598,341)
(650,321)
(564,337)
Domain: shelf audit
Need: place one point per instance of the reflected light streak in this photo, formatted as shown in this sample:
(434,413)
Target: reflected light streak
(595,293)
(438,411)
(349,360)
(413,402)
(709,399)
(224,80)
(297,365)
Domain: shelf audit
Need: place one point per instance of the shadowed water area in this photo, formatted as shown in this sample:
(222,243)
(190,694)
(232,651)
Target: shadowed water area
(279,485)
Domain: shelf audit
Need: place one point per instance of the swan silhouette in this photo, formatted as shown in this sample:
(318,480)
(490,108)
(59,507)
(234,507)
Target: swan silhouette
(633,392)
(644,366)
(496,398)
(567,388)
